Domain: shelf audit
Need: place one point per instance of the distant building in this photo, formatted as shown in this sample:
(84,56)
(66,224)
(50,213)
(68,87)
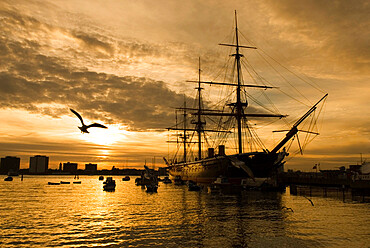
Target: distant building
(9,164)
(70,167)
(39,164)
(91,168)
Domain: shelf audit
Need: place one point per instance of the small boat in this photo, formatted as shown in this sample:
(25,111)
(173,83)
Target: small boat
(193,186)
(221,181)
(77,182)
(101,178)
(126,178)
(152,187)
(63,182)
(51,183)
(109,184)
(142,181)
(178,181)
(222,185)
(147,177)
(9,178)
(166,180)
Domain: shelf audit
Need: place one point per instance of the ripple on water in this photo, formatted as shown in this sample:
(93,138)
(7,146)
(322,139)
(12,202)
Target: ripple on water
(34,214)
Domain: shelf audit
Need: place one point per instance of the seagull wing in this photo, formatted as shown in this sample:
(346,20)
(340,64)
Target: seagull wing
(96,125)
(78,115)
(309,200)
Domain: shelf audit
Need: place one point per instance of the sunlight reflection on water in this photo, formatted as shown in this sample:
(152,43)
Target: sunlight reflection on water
(34,214)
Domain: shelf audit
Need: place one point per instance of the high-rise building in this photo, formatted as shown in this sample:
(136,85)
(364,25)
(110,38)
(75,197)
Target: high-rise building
(91,168)
(70,167)
(39,164)
(9,164)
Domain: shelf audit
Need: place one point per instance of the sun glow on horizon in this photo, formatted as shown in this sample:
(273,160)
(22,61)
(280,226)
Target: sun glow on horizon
(107,136)
(103,154)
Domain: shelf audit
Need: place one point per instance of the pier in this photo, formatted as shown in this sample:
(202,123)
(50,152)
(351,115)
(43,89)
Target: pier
(341,181)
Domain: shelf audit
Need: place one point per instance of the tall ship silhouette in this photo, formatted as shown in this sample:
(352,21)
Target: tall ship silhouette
(231,121)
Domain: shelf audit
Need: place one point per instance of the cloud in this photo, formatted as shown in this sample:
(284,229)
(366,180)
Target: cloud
(94,43)
(38,74)
(336,31)
(37,81)
(137,102)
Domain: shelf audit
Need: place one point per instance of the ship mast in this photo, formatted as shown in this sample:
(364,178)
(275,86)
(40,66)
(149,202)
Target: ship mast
(199,123)
(185,136)
(239,108)
(238,105)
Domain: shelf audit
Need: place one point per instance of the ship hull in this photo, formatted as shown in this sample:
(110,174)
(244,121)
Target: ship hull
(261,164)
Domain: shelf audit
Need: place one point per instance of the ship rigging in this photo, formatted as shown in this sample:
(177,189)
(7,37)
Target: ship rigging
(242,164)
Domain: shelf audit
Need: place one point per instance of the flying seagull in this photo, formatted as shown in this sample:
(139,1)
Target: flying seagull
(309,200)
(84,128)
(283,207)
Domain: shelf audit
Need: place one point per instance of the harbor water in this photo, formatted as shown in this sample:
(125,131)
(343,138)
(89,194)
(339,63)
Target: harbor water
(35,214)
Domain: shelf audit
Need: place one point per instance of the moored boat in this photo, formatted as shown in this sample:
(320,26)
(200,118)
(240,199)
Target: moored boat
(142,181)
(9,178)
(109,184)
(152,187)
(223,185)
(178,180)
(126,178)
(149,180)
(193,186)
(166,180)
(51,183)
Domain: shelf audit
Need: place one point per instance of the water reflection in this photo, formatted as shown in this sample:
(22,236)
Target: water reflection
(34,214)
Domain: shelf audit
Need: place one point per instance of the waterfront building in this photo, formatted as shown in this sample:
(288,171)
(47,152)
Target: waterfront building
(39,164)
(9,164)
(70,167)
(91,168)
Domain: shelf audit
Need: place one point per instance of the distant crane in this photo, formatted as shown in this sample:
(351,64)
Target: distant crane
(84,127)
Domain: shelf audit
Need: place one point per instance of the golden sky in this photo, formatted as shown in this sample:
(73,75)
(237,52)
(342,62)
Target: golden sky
(124,64)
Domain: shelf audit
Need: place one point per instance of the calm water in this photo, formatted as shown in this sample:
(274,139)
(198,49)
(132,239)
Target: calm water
(34,214)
